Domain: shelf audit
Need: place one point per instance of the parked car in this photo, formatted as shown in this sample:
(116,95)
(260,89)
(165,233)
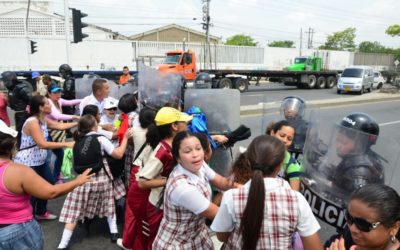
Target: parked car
(356,79)
(378,80)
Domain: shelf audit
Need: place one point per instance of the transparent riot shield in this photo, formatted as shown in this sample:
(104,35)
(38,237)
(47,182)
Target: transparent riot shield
(300,115)
(83,86)
(222,109)
(157,89)
(270,113)
(118,90)
(337,161)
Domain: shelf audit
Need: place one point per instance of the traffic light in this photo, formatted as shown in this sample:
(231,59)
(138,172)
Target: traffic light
(33,46)
(77,25)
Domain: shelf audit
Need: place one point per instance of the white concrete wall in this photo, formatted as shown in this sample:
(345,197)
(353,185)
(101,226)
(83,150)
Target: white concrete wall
(114,54)
(52,53)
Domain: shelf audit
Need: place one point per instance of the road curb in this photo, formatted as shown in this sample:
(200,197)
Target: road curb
(367,98)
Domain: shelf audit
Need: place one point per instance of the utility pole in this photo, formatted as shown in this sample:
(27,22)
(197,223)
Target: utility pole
(27,36)
(206,27)
(310,33)
(67,30)
(301,40)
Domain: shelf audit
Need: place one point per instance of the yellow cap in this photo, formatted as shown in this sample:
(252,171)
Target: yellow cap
(169,115)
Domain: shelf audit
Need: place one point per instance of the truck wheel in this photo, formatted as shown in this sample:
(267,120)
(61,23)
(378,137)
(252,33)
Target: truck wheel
(330,82)
(312,81)
(379,85)
(321,82)
(241,84)
(214,83)
(225,83)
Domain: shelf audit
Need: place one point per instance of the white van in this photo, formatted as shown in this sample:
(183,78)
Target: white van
(356,79)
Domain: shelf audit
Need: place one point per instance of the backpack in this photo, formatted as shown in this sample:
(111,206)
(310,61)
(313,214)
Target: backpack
(87,154)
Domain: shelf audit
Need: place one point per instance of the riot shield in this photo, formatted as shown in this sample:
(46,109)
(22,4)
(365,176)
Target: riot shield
(83,86)
(118,90)
(270,112)
(300,115)
(340,160)
(223,117)
(157,88)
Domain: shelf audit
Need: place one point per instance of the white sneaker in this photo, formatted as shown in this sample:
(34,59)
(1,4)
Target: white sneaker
(119,243)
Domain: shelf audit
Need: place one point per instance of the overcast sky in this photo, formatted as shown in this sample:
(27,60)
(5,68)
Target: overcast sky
(264,20)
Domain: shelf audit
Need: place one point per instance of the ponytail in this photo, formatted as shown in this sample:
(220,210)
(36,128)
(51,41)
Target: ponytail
(264,154)
(157,133)
(253,214)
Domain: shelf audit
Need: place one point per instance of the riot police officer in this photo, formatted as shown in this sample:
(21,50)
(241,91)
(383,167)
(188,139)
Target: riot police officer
(359,165)
(19,96)
(65,72)
(293,109)
(203,81)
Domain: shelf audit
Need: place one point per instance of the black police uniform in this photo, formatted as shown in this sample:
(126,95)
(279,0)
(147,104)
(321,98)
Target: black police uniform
(355,171)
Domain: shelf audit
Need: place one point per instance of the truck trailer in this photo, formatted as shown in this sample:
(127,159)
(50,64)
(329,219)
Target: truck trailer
(306,72)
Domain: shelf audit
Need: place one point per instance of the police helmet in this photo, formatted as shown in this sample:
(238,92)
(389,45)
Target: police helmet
(203,80)
(9,78)
(65,70)
(293,107)
(362,122)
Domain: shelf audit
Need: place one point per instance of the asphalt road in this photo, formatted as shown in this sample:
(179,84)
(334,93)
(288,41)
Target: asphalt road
(386,113)
(269,92)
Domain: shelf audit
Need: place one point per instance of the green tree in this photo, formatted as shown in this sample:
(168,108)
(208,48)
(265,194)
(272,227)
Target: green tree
(393,30)
(281,44)
(372,47)
(241,40)
(341,40)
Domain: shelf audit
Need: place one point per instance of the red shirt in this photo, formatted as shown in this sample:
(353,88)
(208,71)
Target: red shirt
(3,109)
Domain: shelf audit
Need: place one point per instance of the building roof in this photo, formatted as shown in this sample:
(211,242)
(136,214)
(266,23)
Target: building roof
(173,25)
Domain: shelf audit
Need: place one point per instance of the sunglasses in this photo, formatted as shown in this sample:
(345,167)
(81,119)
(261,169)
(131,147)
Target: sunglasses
(56,92)
(112,109)
(362,224)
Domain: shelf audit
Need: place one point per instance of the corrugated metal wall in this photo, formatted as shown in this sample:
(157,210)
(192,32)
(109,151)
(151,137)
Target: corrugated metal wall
(374,59)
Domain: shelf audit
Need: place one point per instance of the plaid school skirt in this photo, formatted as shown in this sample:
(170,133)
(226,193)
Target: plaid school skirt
(94,198)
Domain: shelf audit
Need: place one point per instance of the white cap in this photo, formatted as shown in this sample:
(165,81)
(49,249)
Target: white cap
(7,130)
(110,103)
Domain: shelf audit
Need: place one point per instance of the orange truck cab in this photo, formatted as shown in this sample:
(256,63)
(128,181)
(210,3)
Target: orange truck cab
(180,62)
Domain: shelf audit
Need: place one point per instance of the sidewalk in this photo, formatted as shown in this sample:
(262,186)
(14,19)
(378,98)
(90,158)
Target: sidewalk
(355,99)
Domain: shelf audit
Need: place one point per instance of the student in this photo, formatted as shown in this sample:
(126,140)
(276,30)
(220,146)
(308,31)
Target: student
(96,198)
(291,169)
(136,196)
(153,176)
(265,211)
(94,111)
(373,219)
(110,112)
(187,197)
(129,118)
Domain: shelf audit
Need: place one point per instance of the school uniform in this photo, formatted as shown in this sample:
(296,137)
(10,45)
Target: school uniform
(96,197)
(285,212)
(158,165)
(136,197)
(187,195)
